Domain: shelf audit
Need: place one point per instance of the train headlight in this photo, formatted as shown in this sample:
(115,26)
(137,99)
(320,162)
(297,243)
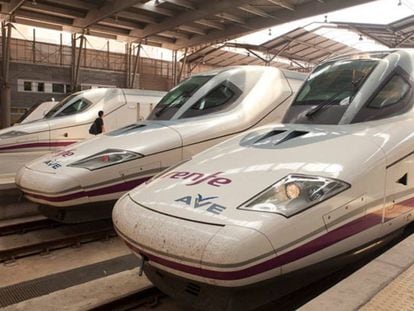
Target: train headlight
(295,193)
(12,134)
(106,158)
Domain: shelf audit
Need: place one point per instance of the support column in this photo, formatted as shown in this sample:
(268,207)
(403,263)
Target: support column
(73,62)
(5,97)
(127,64)
(61,50)
(183,65)
(34,46)
(77,60)
(174,68)
(136,64)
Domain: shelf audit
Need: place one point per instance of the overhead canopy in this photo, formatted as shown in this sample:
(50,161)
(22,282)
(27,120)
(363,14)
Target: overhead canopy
(300,48)
(169,23)
(399,34)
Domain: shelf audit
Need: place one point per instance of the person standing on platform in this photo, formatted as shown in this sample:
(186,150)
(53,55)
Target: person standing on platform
(97,126)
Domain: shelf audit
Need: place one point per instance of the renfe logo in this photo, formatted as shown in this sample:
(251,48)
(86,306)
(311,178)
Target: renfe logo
(198,178)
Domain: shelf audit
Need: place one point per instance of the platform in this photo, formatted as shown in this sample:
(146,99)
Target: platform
(10,163)
(386,283)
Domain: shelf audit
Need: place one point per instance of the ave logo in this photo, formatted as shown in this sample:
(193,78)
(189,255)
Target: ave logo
(199,201)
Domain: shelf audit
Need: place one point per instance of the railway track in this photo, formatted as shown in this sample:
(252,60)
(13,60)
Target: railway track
(43,240)
(149,297)
(26,224)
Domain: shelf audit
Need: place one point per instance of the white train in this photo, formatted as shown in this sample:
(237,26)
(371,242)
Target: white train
(199,113)
(37,112)
(68,121)
(258,215)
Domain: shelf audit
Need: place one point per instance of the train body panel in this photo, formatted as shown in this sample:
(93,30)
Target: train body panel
(69,120)
(333,181)
(202,111)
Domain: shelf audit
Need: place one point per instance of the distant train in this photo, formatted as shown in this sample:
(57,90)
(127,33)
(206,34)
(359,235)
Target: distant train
(36,112)
(199,113)
(69,120)
(266,212)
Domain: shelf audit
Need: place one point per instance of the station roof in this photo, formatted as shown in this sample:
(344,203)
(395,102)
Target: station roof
(301,48)
(399,34)
(169,23)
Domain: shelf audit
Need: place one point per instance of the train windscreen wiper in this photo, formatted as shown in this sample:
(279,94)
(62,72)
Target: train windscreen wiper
(355,84)
(329,101)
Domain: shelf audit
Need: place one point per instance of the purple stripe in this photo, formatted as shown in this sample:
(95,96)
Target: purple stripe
(37,145)
(322,242)
(124,186)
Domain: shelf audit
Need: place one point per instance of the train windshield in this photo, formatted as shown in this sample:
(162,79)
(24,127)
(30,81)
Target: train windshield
(329,91)
(177,97)
(72,104)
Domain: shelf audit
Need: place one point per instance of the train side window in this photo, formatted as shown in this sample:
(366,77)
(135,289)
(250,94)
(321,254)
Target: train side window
(393,98)
(75,107)
(221,97)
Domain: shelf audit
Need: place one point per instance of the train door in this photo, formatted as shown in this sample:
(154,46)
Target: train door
(399,195)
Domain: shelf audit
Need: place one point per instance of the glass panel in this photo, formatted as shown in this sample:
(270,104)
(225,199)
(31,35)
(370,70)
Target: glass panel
(40,87)
(62,103)
(218,99)
(391,94)
(336,82)
(177,97)
(27,85)
(58,88)
(76,107)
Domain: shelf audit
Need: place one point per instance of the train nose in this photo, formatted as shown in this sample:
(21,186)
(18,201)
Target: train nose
(223,255)
(48,188)
(237,256)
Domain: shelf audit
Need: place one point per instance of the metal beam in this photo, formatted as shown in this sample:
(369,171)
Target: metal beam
(53,10)
(44,18)
(206,9)
(192,30)
(8,9)
(182,3)
(255,11)
(175,34)
(120,23)
(283,4)
(231,17)
(107,10)
(150,7)
(210,24)
(76,4)
(301,11)
(137,17)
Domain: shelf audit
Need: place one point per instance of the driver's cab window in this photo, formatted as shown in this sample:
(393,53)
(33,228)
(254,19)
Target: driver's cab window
(391,94)
(76,107)
(220,98)
(392,99)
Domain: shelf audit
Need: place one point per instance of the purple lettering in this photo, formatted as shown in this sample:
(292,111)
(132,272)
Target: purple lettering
(179,174)
(194,176)
(216,182)
(198,178)
(204,179)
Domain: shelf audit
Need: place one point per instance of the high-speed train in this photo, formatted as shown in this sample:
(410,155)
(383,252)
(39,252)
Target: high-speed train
(69,120)
(37,112)
(200,112)
(267,209)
